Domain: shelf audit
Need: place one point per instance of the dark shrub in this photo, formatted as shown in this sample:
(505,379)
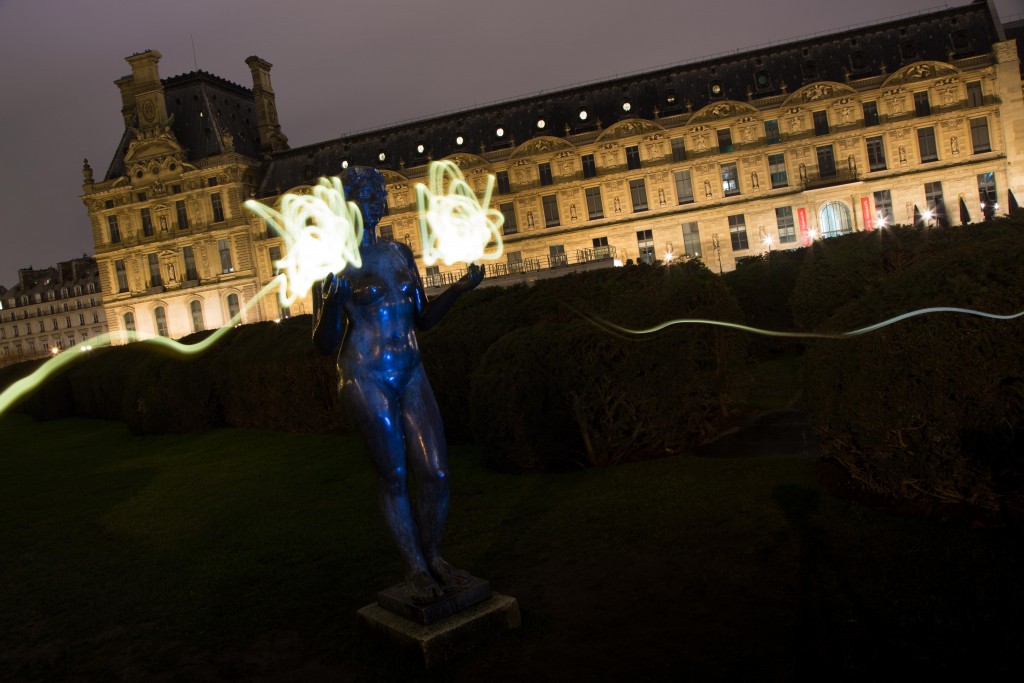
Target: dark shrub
(763,286)
(931,408)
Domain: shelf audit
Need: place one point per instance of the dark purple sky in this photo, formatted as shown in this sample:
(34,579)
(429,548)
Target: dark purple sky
(336,70)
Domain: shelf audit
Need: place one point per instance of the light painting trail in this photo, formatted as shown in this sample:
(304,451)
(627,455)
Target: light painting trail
(454,225)
(612,327)
(55,364)
(321,233)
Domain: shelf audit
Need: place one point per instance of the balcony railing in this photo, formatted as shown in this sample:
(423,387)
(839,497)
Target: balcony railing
(814,181)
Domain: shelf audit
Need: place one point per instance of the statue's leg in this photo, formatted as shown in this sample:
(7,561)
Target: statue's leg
(377,417)
(428,457)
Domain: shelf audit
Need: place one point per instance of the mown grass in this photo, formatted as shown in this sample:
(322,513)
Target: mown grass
(236,554)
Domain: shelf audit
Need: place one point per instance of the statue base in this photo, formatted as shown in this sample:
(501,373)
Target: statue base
(396,599)
(449,636)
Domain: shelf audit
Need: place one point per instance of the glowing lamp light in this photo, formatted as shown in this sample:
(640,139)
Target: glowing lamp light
(419,149)
(996,206)
(459,140)
(541,123)
(583,115)
(54,350)
(344,163)
(768,239)
(812,233)
(382,156)
(321,233)
(500,132)
(454,225)
(626,106)
(617,263)
(929,214)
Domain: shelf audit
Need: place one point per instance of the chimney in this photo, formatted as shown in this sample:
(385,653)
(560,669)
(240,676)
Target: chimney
(148,91)
(271,137)
(124,84)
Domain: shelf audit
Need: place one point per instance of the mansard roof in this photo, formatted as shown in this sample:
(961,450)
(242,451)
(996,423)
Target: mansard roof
(204,106)
(735,78)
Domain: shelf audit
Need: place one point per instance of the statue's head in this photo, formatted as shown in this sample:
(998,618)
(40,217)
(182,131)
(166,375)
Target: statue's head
(365,186)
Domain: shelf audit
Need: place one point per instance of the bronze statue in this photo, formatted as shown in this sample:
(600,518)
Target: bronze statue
(369,313)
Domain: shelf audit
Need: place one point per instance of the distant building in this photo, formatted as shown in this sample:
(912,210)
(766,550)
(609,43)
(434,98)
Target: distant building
(51,310)
(714,160)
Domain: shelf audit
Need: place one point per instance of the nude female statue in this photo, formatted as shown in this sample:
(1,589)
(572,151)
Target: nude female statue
(370,313)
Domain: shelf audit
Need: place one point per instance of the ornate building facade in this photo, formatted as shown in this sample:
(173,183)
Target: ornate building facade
(887,124)
(51,310)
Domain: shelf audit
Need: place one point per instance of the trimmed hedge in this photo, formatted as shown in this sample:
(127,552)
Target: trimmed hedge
(930,409)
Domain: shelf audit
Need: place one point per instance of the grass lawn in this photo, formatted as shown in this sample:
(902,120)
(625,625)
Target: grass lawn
(236,554)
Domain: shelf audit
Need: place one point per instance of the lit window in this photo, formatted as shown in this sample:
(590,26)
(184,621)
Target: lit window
(645,244)
(777,170)
(784,219)
(730,180)
(224,247)
(738,232)
(691,240)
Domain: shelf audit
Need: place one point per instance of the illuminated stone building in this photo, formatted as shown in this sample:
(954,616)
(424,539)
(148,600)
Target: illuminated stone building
(51,310)
(716,159)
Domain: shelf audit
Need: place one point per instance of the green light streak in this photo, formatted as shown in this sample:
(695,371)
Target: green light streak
(612,327)
(22,387)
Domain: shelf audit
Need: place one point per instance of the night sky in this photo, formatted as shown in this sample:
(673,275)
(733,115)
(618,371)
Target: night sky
(339,67)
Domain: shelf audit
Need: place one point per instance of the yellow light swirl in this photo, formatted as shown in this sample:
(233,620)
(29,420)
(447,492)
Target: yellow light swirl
(454,225)
(321,234)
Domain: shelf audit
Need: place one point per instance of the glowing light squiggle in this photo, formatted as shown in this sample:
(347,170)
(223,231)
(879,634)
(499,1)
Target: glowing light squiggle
(57,363)
(321,234)
(454,225)
(796,335)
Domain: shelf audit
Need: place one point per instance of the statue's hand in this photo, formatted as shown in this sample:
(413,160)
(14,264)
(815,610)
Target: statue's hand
(336,290)
(473,277)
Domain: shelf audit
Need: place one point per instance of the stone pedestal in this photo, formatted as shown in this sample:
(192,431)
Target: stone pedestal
(448,636)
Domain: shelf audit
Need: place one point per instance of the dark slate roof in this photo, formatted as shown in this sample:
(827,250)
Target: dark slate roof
(224,106)
(66,274)
(1015,31)
(952,33)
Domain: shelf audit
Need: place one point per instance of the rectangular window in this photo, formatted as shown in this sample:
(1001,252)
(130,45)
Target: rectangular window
(870,113)
(638,195)
(974,96)
(784,219)
(777,170)
(515,261)
(556,256)
(122,276)
(979,136)
(511,225)
(154,270)
(738,232)
(691,239)
(504,186)
(684,189)
(81,318)
(730,180)
(147,223)
(386,232)
(108,204)
(926,144)
(633,157)
(922,107)
(433,278)
(724,140)
(190,264)
(550,203)
(67,321)
(645,243)
(595,208)
(224,247)
(115,231)
(545,174)
(141,196)
(42,326)
(936,204)
(987,194)
(176,189)
(678,149)
(876,154)
(601,248)
(820,122)
(275,255)
(826,162)
(772,136)
(589,167)
(217,206)
(179,207)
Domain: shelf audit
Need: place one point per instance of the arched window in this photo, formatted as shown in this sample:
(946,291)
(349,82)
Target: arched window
(835,219)
(78,290)
(161,321)
(129,321)
(197,316)
(232,305)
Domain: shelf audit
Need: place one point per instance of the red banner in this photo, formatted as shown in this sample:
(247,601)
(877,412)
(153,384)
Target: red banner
(801,217)
(865,208)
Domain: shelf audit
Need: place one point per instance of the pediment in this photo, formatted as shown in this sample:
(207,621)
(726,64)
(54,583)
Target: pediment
(721,110)
(545,144)
(464,160)
(818,92)
(628,128)
(921,71)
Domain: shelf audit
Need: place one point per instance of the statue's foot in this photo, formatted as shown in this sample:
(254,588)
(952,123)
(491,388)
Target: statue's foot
(449,576)
(422,587)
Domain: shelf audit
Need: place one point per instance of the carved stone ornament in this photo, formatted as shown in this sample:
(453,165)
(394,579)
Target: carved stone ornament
(801,152)
(612,185)
(921,71)
(817,92)
(721,110)
(952,124)
(391,177)
(701,142)
(748,133)
(704,168)
(898,133)
(659,177)
(541,145)
(461,159)
(628,128)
